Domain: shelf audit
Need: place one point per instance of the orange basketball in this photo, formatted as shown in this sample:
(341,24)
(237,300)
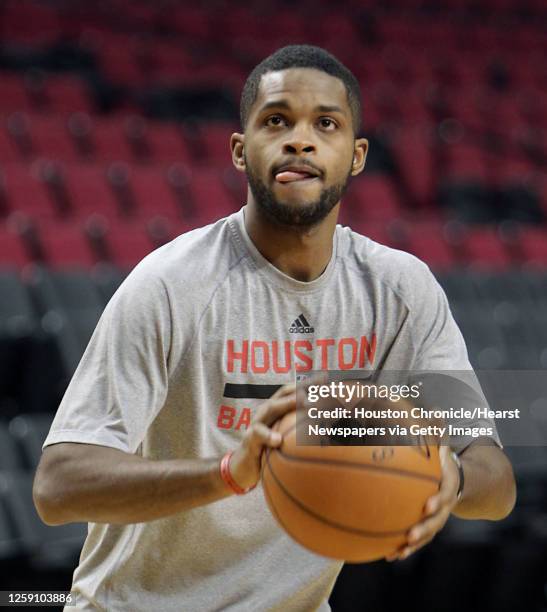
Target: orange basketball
(354,503)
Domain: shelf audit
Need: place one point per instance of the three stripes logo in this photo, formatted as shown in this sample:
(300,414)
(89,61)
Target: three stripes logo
(301,326)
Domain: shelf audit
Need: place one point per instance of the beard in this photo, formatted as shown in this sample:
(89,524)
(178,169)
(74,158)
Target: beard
(301,217)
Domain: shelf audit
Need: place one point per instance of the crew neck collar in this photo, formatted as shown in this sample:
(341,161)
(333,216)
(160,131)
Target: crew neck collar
(264,267)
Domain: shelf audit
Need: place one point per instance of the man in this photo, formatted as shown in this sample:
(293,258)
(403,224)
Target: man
(177,373)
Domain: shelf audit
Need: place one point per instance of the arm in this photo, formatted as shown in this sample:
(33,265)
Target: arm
(489,493)
(490,490)
(85,482)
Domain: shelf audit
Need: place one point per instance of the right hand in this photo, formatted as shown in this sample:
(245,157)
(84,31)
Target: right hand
(245,462)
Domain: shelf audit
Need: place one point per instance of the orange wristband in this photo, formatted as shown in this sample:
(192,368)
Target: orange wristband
(227,476)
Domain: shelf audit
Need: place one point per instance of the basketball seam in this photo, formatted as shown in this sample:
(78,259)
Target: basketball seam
(302,506)
(359,466)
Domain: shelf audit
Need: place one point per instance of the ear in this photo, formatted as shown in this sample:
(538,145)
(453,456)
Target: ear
(359,156)
(237,142)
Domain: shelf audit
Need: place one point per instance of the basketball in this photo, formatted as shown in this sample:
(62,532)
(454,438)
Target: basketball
(353,503)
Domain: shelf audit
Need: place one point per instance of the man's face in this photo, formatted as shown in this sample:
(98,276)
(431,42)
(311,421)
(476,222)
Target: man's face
(299,146)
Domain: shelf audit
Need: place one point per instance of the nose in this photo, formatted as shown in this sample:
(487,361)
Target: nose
(298,143)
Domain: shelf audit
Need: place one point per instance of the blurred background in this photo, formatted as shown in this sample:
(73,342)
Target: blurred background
(115,120)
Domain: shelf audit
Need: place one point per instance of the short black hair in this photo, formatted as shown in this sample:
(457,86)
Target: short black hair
(302,56)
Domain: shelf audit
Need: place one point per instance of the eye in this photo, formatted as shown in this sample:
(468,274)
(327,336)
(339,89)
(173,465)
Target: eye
(275,121)
(327,124)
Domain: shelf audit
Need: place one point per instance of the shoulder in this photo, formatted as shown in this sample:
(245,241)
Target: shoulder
(401,272)
(186,268)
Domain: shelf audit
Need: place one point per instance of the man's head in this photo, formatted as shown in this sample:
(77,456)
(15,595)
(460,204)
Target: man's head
(301,56)
(300,111)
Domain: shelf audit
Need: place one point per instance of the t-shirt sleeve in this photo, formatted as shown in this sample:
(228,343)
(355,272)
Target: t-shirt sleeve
(121,382)
(440,349)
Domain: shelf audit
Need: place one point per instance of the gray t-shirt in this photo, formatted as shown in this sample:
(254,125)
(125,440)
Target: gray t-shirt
(174,370)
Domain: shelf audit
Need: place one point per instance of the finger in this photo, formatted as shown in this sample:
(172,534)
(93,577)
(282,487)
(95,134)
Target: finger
(273,409)
(410,550)
(444,454)
(258,436)
(428,527)
(433,504)
(394,555)
(284,390)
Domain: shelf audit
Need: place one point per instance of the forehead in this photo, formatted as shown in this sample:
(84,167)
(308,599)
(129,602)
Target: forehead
(302,85)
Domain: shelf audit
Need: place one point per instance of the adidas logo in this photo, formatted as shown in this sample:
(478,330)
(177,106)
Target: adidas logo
(301,326)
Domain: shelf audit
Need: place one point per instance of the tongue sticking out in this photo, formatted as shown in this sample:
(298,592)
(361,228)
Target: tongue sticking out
(289,176)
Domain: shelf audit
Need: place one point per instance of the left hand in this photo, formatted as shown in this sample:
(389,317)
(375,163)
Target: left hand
(437,509)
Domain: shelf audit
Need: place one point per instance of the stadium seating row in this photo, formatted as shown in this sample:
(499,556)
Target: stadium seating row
(197,24)
(82,137)
(87,242)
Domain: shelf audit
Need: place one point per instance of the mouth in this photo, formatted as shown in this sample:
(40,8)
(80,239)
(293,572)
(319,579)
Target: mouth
(293,174)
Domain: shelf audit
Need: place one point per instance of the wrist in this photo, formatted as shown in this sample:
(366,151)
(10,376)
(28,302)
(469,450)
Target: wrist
(228,479)
(461,475)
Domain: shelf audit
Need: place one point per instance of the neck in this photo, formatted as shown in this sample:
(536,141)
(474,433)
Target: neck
(302,254)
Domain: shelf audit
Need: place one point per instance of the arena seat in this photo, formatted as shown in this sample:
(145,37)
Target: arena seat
(127,243)
(483,248)
(413,151)
(9,152)
(167,144)
(153,194)
(67,94)
(465,162)
(65,245)
(216,144)
(26,193)
(90,192)
(110,141)
(51,138)
(426,241)
(210,198)
(374,198)
(69,306)
(14,95)
(533,244)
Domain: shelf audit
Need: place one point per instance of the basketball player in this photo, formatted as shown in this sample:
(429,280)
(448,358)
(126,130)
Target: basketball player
(157,441)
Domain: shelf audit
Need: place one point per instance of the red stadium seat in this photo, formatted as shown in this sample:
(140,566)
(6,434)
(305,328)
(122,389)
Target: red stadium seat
(8,148)
(210,198)
(533,244)
(483,248)
(216,143)
(65,245)
(167,144)
(515,171)
(373,198)
(14,95)
(30,22)
(413,150)
(128,243)
(117,60)
(153,194)
(51,138)
(67,95)
(427,242)
(110,140)
(90,192)
(26,192)
(465,162)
